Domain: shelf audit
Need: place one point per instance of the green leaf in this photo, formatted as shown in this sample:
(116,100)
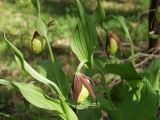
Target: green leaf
(144,109)
(153,66)
(54,72)
(84,38)
(41,27)
(152,73)
(33,73)
(105,104)
(86,114)
(17,52)
(131,109)
(37,97)
(119,92)
(36,4)
(125,70)
(99,13)
(122,23)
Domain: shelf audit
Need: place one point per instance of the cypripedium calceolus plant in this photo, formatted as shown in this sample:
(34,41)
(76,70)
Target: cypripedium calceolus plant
(128,99)
(81,88)
(113,43)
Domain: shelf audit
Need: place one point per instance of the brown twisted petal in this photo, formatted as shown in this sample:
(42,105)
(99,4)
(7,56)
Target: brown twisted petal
(108,41)
(76,87)
(80,79)
(85,77)
(88,86)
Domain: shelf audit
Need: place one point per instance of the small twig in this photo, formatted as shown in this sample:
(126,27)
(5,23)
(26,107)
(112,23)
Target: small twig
(146,57)
(152,10)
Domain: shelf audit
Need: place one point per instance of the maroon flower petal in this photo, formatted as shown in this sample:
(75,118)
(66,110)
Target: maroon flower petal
(76,87)
(116,38)
(89,87)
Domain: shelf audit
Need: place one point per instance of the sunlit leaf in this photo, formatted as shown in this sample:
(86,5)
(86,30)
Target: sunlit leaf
(153,66)
(132,109)
(153,74)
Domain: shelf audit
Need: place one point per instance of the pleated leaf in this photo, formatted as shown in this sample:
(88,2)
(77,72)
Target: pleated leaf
(84,38)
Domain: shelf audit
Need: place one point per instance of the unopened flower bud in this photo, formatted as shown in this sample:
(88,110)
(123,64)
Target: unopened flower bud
(37,43)
(112,43)
(81,88)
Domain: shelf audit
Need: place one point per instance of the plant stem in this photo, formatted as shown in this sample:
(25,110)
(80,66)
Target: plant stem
(107,90)
(81,65)
(132,47)
(61,97)
(50,50)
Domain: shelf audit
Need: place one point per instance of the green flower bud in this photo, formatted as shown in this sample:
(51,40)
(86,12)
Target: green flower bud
(113,47)
(37,43)
(112,43)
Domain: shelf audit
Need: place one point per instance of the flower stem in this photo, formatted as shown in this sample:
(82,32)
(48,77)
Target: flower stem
(132,47)
(61,97)
(107,89)
(81,65)
(50,50)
